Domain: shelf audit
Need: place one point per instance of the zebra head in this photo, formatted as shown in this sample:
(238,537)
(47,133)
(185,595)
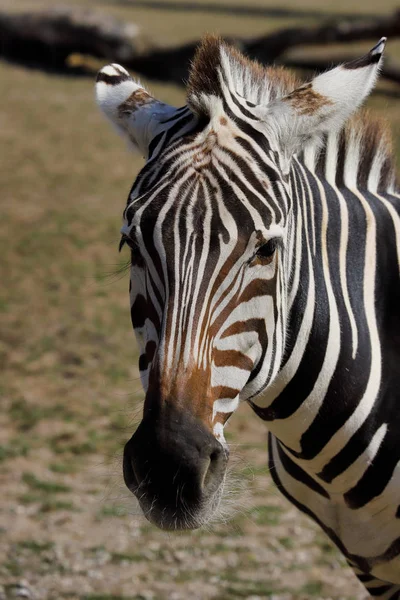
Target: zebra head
(210,223)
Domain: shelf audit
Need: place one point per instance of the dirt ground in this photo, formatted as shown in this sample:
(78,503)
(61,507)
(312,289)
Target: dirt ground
(69,392)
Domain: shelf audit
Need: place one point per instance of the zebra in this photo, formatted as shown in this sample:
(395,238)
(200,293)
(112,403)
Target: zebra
(264,233)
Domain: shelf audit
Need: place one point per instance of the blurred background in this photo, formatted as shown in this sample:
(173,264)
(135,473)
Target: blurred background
(69,392)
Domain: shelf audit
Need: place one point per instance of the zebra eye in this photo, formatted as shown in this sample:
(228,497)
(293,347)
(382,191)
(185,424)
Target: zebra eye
(135,254)
(266,251)
(127,240)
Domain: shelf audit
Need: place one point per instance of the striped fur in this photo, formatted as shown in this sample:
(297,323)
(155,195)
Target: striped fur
(264,231)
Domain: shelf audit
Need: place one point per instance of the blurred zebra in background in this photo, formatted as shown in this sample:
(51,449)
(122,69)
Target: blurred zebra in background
(264,233)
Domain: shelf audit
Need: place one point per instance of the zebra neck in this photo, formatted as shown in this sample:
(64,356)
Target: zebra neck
(327,394)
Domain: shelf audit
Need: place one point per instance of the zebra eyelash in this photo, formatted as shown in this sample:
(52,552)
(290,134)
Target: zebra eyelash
(122,243)
(136,258)
(129,242)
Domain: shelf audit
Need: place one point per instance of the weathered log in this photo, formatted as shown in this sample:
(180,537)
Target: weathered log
(172,64)
(268,48)
(47,38)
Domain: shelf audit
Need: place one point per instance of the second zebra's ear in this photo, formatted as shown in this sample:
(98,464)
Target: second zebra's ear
(324,104)
(134,112)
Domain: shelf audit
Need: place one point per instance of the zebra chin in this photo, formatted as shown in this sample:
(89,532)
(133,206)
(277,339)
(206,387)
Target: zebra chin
(176,469)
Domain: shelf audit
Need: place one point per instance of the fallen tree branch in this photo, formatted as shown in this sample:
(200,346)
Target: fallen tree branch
(268,48)
(46,40)
(172,64)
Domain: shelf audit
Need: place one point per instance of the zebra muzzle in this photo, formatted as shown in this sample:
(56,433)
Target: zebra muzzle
(175,467)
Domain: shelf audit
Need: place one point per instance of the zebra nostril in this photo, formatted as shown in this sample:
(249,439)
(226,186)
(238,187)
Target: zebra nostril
(214,456)
(213,467)
(207,476)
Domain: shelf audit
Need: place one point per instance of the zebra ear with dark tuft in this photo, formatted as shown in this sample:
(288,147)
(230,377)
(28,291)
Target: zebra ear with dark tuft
(130,108)
(324,104)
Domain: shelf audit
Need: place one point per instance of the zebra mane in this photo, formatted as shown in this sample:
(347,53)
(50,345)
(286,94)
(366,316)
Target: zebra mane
(364,142)
(365,145)
(215,61)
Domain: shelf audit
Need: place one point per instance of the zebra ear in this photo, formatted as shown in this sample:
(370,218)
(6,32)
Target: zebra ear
(325,103)
(130,108)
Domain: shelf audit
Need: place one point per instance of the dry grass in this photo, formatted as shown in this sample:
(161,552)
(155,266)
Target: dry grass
(69,391)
